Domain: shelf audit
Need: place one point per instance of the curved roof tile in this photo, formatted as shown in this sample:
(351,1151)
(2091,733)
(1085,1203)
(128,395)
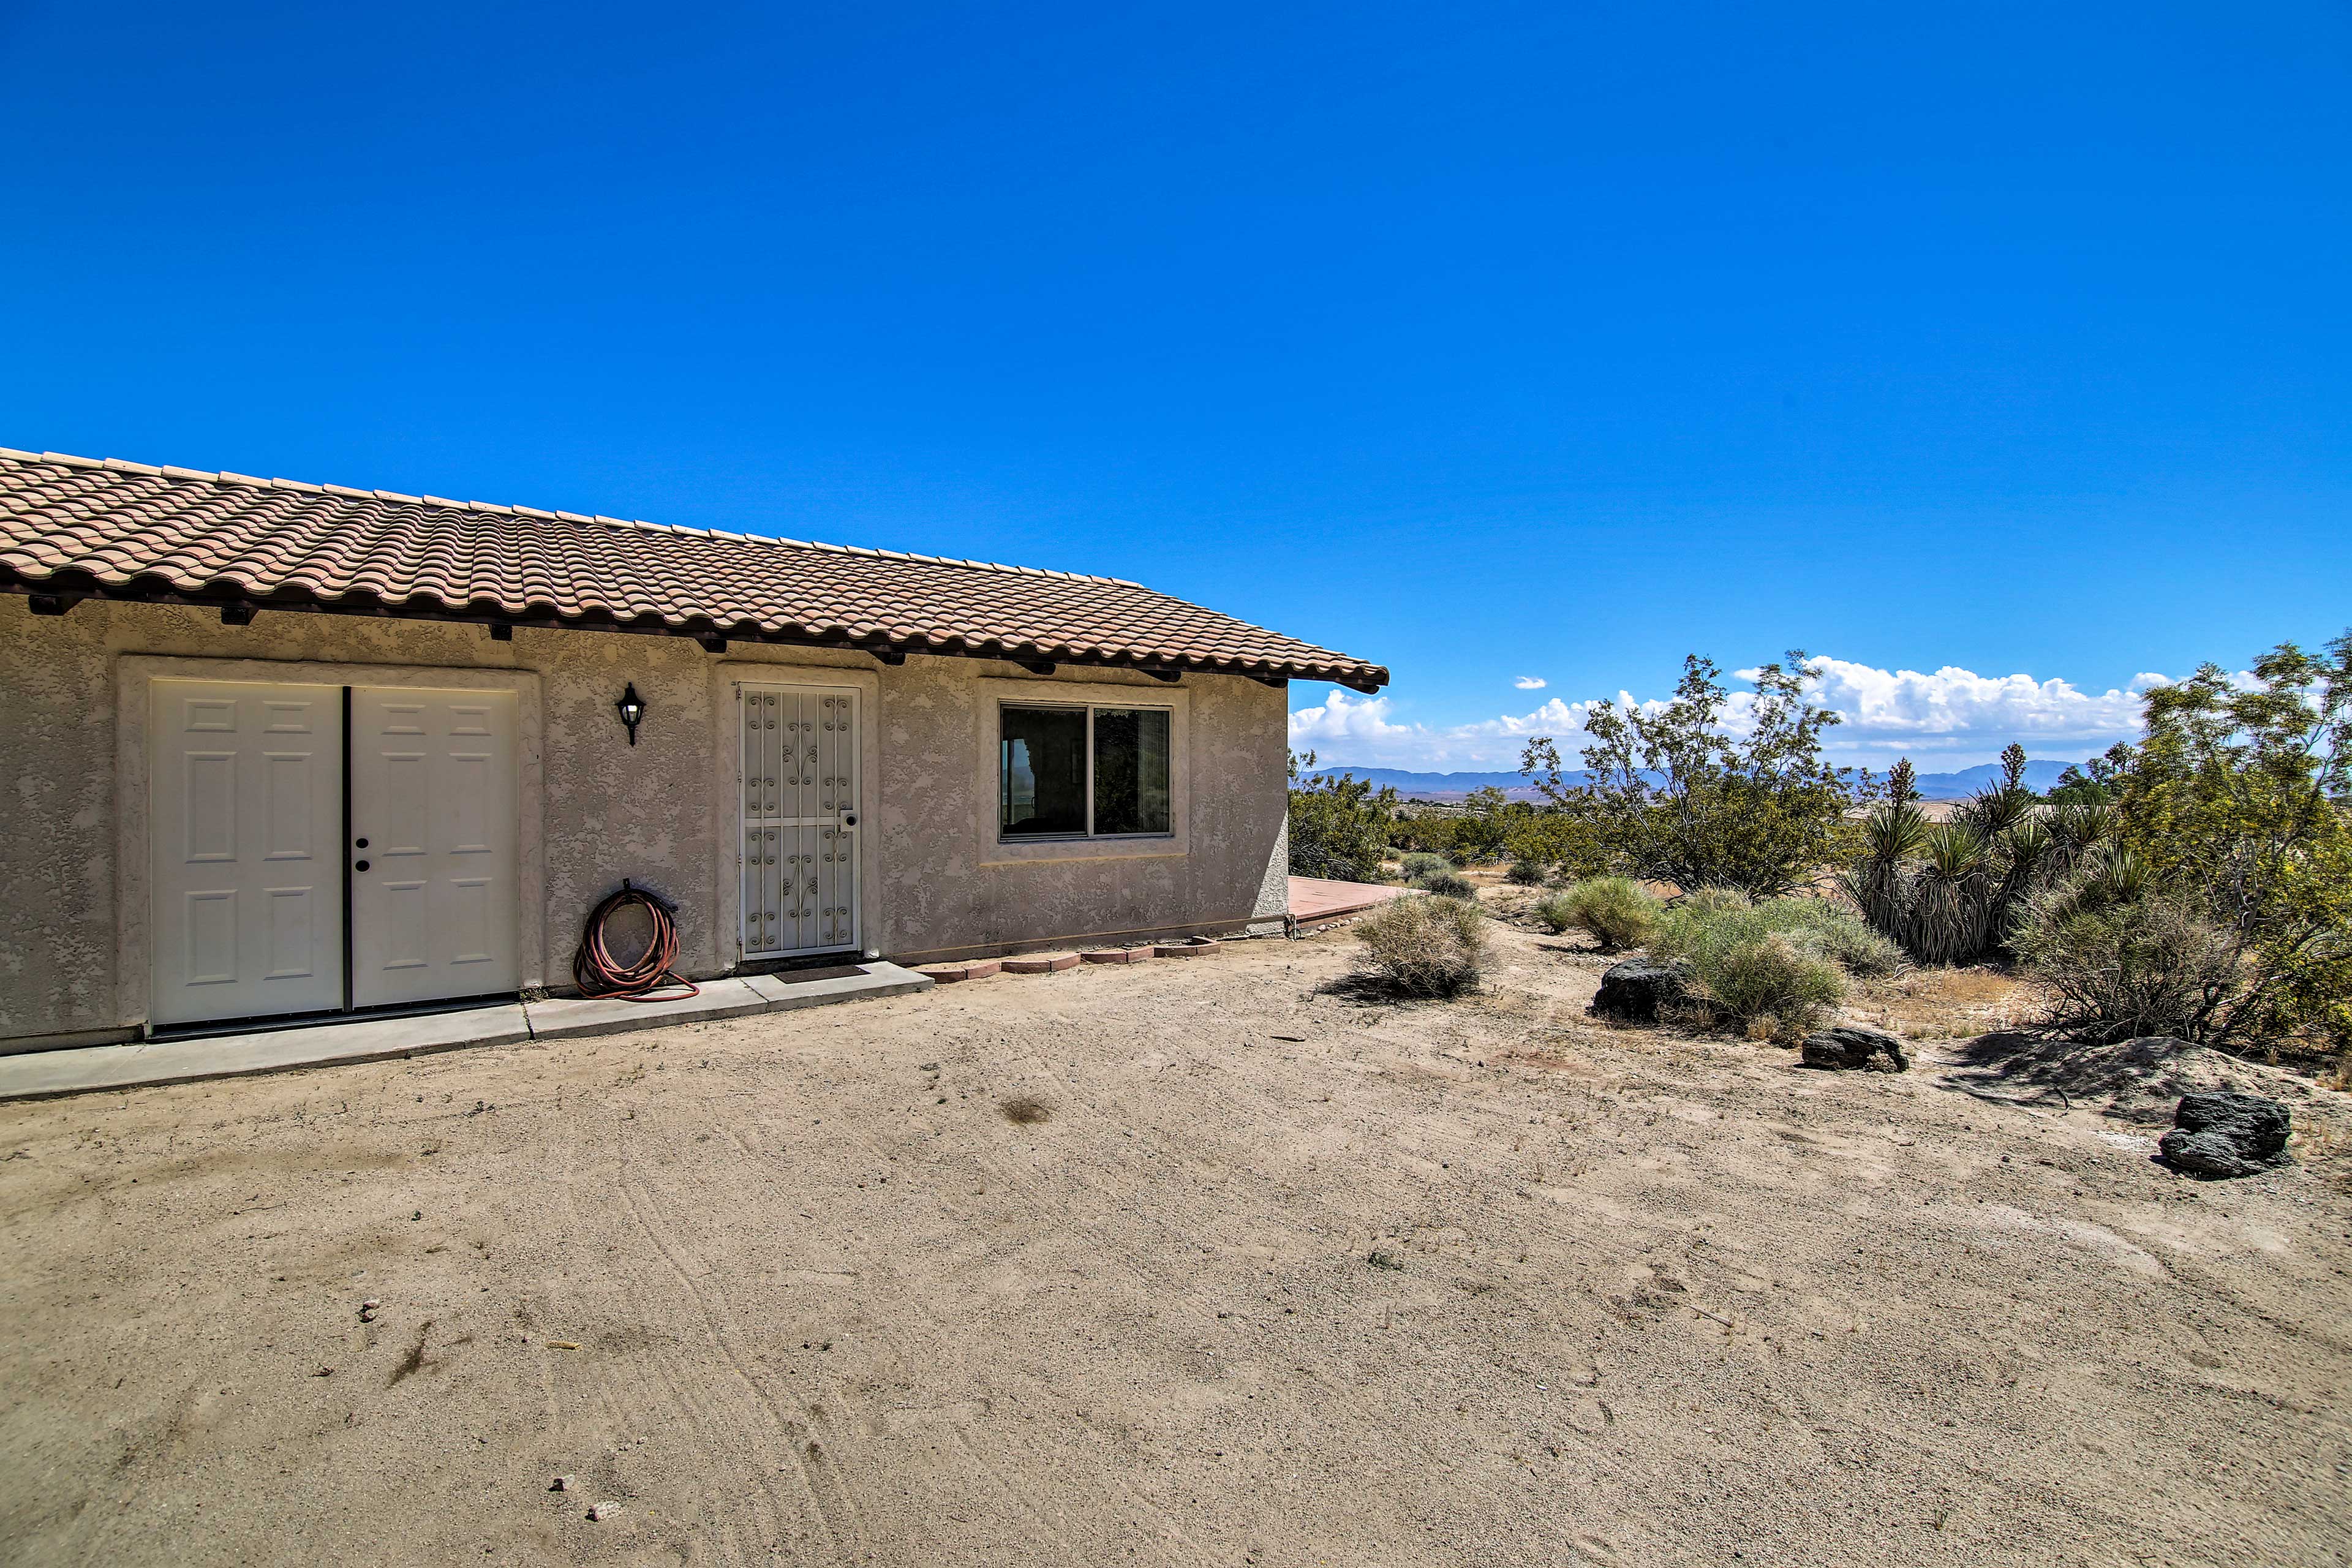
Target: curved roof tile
(128,531)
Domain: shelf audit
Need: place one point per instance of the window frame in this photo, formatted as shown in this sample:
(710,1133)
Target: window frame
(1089,706)
(983,701)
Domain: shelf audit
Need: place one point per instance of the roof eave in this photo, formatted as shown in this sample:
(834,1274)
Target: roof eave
(63,589)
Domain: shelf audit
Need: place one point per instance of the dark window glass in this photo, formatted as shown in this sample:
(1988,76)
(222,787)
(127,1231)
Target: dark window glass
(1130,770)
(1042,772)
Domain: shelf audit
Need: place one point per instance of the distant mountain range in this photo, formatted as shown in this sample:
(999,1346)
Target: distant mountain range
(2038,776)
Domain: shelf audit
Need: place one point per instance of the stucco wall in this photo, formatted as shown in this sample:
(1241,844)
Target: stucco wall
(609,810)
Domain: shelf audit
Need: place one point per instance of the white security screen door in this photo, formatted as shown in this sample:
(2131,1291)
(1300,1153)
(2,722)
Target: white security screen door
(433,850)
(800,820)
(245,803)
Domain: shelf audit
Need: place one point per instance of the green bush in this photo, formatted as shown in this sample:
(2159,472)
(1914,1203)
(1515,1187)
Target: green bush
(2123,968)
(1525,874)
(1771,982)
(1708,902)
(1618,911)
(1420,863)
(1426,947)
(1339,825)
(1776,964)
(1833,931)
(1672,792)
(1447,884)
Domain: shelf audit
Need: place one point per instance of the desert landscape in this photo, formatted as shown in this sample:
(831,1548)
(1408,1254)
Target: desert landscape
(1229,1260)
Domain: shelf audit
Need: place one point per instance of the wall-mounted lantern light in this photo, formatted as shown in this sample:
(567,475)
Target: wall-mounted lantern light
(632,709)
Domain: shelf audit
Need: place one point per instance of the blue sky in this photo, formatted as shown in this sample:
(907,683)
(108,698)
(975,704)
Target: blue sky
(2005,346)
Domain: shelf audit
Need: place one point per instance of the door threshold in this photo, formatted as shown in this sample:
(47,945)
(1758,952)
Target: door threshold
(212,1028)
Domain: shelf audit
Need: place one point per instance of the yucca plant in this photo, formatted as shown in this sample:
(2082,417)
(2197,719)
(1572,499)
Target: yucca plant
(1949,893)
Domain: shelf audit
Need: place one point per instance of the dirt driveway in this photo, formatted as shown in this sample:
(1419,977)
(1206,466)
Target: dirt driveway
(1187,1263)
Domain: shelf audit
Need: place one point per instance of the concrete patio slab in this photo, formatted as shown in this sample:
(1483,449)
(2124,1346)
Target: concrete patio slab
(45,1073)
(1314,899)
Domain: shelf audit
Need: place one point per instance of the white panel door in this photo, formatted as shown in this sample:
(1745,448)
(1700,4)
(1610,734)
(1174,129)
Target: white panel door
(433,851)
(245,812)
(800,820)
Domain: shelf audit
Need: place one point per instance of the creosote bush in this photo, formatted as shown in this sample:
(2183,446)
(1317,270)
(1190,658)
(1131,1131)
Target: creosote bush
(2121,968)
(1426,947)
(1525,874)
(1420,863)
(1618,911)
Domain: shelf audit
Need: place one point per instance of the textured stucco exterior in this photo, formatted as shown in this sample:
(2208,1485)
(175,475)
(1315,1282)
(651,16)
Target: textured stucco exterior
(658,813)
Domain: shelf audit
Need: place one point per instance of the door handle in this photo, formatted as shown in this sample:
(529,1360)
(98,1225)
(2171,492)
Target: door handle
(849,819)
(361,867)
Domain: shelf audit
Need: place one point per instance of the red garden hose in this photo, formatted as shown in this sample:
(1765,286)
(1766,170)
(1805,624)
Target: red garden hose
(598,976)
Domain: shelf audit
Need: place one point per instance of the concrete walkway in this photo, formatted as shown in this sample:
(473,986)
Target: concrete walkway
(39,1074)
(1312,899)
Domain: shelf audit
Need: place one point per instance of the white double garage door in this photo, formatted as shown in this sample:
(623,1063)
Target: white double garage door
(326,848)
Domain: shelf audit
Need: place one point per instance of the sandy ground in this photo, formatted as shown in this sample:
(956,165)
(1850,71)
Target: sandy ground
(1254,1271)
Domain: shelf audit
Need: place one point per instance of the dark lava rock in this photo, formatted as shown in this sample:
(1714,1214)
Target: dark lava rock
(1854,1047)
(1636,988)
(2221,1134)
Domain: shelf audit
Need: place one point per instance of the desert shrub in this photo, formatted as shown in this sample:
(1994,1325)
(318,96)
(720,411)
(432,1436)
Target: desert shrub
(1525,874)
(1427,834)
(2123,968)
(1677,794)
(1709,903)
(1426,947)
(1618,911)
(2239,803)
(1833,931)
(1447,884)
(1339,823)
(1420,863)
(1775,963)
(1771,982)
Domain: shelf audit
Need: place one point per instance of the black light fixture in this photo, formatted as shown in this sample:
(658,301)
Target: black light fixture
(632,709)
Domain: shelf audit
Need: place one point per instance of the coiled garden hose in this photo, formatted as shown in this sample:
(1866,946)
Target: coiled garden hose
(598,975)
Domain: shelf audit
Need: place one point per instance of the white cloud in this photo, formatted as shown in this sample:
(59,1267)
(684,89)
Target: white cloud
(1530,683)
(1951,717)
(1906,712)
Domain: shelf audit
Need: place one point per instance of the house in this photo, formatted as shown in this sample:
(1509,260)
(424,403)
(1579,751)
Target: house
(275,749)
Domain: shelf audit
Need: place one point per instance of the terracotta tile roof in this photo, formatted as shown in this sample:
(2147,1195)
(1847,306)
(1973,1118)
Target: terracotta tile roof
(75,526)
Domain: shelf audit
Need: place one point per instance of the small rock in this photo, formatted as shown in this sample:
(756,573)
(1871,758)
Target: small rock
(2219,1134)
(368,1309)
(1636,988)
(602,1510)
(565,1484)
(1854,1047)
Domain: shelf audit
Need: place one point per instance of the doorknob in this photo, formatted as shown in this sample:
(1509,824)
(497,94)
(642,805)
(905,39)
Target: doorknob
(362,843)
(361,867)
(849,819)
